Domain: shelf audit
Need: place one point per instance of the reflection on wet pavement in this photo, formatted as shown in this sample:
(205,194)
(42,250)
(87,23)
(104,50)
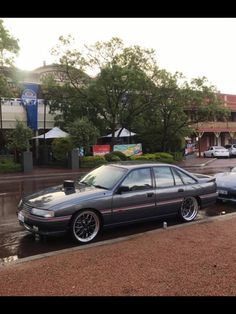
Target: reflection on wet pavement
(15,241)
(10,193)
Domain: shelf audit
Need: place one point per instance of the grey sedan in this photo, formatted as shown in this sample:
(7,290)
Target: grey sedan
(116,194)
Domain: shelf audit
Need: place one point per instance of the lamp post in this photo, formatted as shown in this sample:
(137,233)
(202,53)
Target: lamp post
(0,122)
(1,114)
(44,129)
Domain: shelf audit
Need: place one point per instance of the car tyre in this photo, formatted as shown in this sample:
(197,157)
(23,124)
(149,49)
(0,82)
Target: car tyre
(189,209)
(85,226)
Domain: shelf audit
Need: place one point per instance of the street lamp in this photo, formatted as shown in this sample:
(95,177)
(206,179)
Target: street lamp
(44,130)
(1,114)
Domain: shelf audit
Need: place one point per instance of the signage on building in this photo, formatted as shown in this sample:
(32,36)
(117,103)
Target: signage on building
(101,150)
(30,102)
(129,149)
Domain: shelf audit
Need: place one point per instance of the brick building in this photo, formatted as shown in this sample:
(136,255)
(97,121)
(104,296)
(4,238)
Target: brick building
(218,133)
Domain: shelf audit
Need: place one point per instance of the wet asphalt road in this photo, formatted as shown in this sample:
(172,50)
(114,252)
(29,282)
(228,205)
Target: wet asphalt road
(16,243)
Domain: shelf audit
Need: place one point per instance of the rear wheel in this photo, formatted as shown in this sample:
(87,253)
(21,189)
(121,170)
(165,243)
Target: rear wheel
(85,226)
(189,209)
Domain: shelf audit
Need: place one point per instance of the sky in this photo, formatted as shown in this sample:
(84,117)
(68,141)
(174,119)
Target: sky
(194,46)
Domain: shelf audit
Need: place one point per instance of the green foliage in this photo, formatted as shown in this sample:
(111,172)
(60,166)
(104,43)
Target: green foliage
(121,155)
(92,161)
(130,91)
(6,158)
(18,138)
(5,90)
(120,91)
(157,157)
(8,46)
(178,156)
(83,133)
(111,157)
(8,166)
(61,147)
(151,157)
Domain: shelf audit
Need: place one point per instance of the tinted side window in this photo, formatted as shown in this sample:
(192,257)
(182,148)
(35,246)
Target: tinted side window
(163,177)
(178,180)
(185,178)
(139,179)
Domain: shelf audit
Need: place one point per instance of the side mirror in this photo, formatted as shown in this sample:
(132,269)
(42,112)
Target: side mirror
(123,189)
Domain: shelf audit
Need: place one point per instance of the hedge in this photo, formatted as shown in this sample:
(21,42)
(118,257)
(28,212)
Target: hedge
(160,157)
(8,166)
(92,161)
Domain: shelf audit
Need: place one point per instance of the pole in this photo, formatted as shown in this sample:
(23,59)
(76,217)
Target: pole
(1,114)
(44,129)
(44,117)
(1,136)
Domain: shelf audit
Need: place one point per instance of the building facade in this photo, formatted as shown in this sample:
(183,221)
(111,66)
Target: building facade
(218,133)
(12,109)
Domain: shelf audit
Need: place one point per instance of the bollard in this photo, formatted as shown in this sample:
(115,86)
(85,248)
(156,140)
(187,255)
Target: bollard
(164,224)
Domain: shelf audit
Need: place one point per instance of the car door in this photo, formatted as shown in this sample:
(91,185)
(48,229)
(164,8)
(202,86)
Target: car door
(209,152)
(134,199)
(170,190)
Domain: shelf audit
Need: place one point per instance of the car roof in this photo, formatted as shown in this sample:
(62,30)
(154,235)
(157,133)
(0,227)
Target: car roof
(135,165)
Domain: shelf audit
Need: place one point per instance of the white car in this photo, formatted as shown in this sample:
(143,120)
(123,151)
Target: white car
(232,149)
(216,151)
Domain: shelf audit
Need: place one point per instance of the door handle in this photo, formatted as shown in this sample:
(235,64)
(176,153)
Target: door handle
(180,190)
(150,194)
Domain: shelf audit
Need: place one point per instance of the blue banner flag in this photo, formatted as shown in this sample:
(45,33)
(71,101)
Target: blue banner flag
(30,102)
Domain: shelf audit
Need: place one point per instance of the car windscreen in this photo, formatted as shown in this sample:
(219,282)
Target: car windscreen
(103,177)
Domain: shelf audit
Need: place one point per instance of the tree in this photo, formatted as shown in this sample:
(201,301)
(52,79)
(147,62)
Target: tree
(18,139)
(8,46)
(61,147)
(8,50)
(177,107)
(129,90)
(83,133)
(120,90)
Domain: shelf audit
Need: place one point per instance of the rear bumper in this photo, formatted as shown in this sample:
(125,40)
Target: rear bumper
(208,199)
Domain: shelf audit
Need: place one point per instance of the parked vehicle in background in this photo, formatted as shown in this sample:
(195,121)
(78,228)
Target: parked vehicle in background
(116,194)
(216,151)
(226,186)
(232,149)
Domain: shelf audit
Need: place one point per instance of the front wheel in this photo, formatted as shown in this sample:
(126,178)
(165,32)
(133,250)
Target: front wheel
(85,226)
(189,209)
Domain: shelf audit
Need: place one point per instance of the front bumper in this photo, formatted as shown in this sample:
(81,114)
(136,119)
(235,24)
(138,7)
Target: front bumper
(43,226)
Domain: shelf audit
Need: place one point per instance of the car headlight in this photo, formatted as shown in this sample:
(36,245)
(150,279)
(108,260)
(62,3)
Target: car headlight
(42,212)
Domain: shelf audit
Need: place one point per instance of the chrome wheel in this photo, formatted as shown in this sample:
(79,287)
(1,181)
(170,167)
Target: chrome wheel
(85,226)
(189,209)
